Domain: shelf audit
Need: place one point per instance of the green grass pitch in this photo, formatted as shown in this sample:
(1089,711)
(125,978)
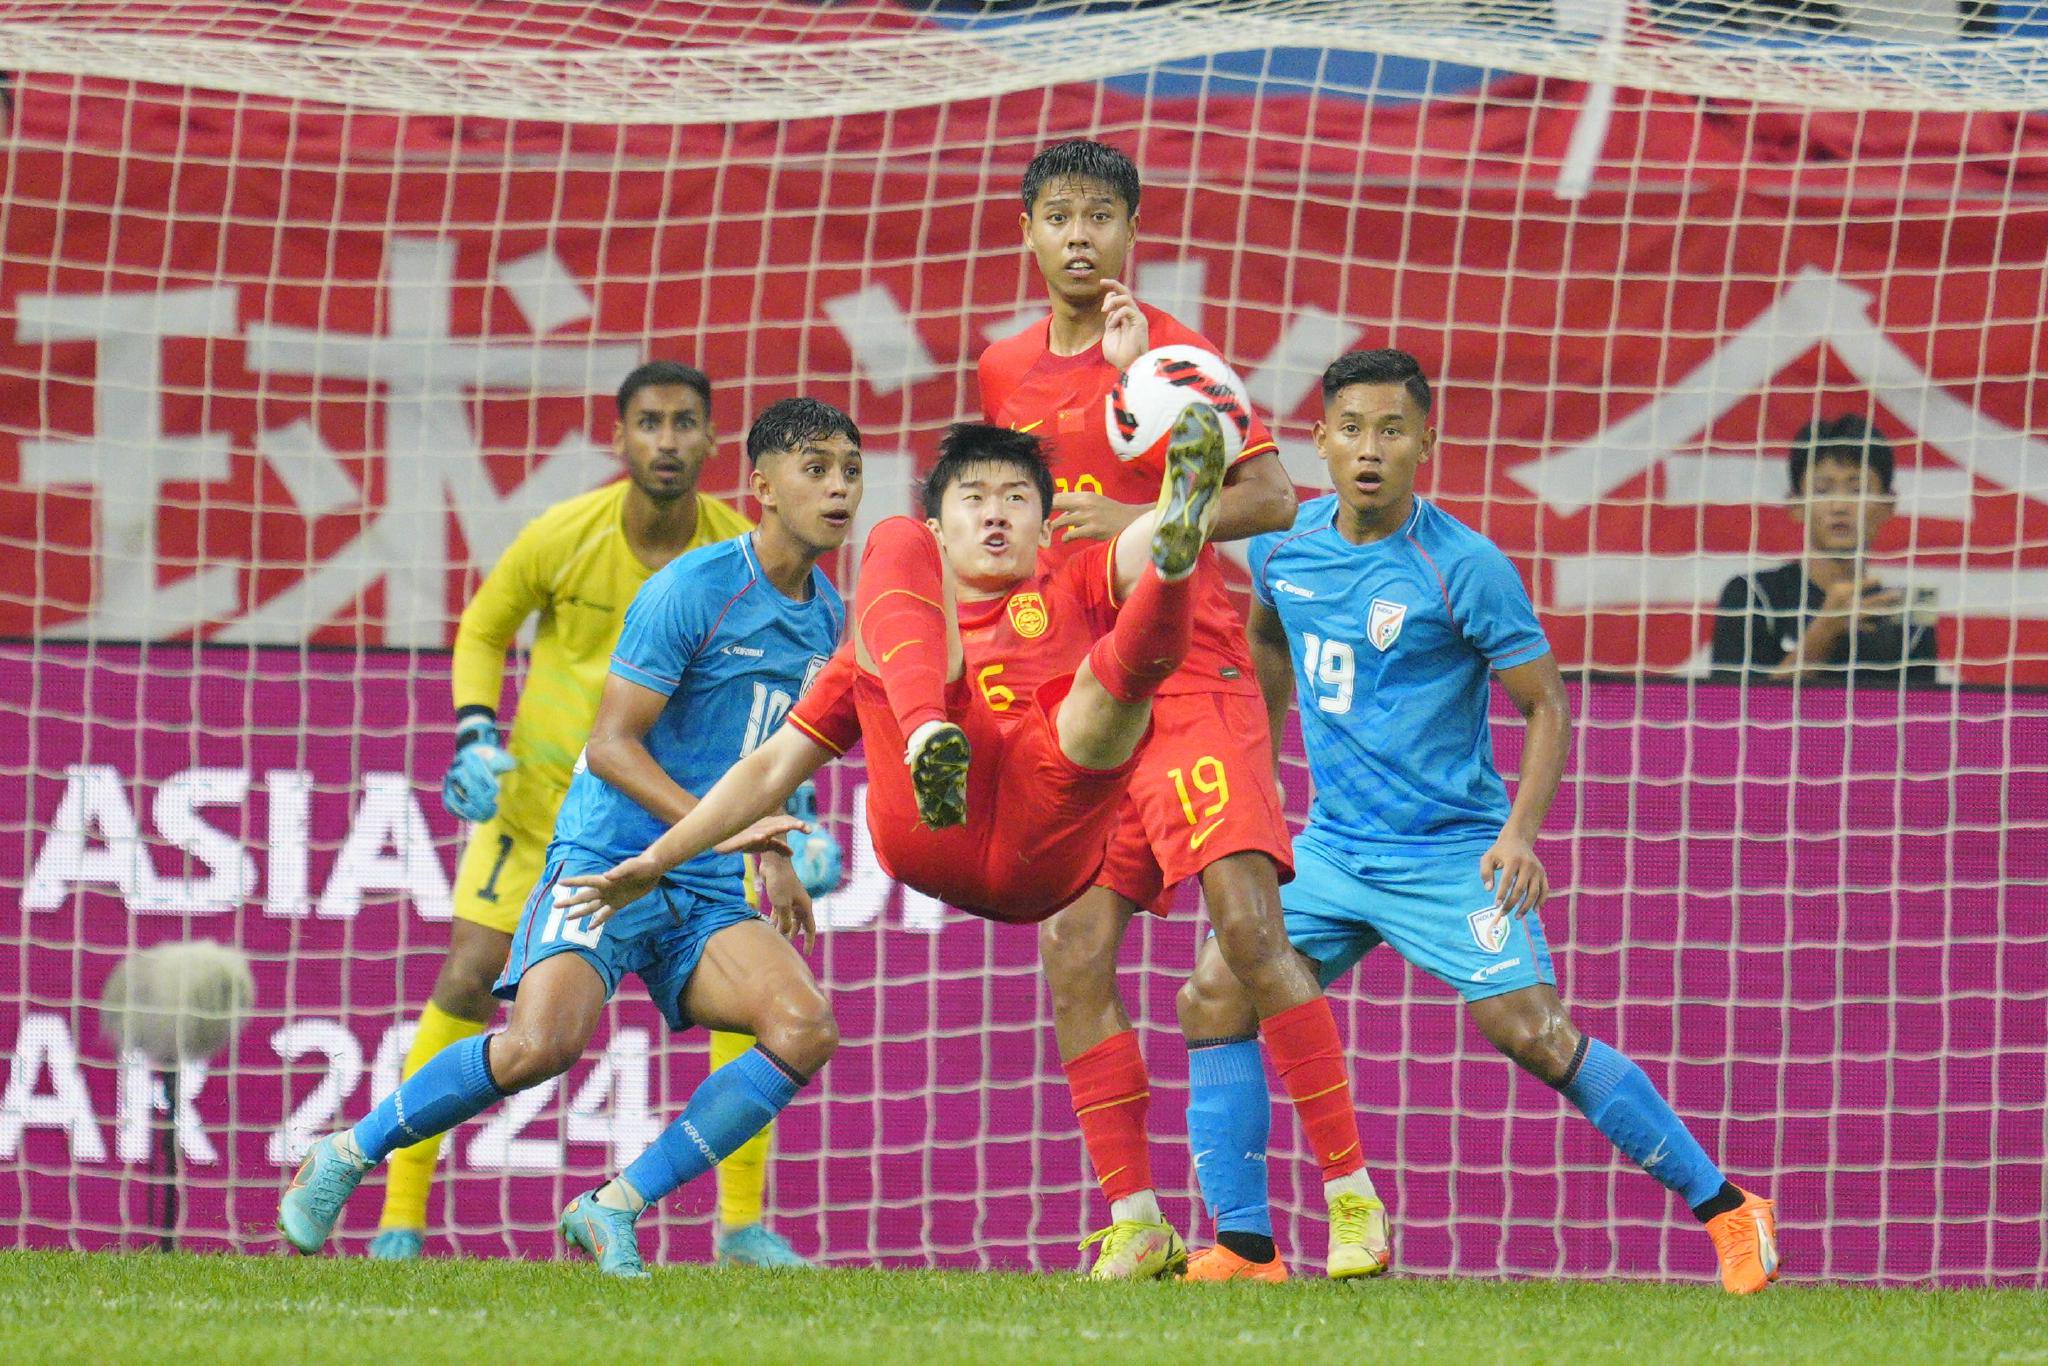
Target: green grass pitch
(67,1306)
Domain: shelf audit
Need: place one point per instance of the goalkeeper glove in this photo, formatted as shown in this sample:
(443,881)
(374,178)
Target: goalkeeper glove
(470,790)
(815,856)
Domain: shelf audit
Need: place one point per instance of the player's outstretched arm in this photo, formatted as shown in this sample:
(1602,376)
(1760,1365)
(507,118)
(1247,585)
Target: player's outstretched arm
(1273,665)
(742,813)
(1511,867)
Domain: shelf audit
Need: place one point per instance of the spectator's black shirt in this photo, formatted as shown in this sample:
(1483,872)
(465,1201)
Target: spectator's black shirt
(1763,616)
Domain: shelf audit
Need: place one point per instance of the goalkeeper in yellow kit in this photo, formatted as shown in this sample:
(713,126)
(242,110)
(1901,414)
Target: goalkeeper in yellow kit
(577,565)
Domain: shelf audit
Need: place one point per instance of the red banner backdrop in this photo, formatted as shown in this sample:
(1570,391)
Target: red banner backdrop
(267,378)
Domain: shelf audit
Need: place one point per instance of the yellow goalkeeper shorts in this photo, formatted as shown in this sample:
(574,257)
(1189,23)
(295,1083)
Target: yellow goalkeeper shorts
(506,854)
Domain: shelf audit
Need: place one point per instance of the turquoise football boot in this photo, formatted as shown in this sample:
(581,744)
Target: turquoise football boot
(313,1202)
(607,1234)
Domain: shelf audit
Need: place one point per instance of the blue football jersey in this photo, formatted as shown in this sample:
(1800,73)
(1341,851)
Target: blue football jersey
(731,654)
(1392,644)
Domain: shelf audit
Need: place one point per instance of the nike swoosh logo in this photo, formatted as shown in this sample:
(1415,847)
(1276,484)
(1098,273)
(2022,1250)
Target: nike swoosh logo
(1030,426)
(1195,840)
(901,646)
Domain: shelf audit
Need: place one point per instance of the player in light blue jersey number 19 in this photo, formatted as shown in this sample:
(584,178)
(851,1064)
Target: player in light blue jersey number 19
(716,647)
(1390,614)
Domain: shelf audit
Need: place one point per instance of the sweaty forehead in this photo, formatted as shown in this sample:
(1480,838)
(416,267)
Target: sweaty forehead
(833,447)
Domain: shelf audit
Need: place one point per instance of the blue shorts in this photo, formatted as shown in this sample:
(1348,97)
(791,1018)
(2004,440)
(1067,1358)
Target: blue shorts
(661,936)
(1435,912)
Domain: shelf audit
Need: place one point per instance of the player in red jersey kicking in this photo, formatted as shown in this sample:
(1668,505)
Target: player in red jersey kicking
(1203,800)
(1017,697)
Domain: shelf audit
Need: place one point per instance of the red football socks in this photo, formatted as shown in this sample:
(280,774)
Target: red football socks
(1149,640)
(1111,1092)
(898,609)
(1302,1041)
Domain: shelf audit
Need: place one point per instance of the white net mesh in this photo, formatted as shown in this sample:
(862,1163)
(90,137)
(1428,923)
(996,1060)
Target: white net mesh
(277,376)
(716,63)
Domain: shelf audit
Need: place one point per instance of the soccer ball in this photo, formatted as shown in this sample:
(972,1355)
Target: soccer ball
(1149,398)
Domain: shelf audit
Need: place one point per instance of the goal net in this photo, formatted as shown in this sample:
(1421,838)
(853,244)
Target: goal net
(305,309)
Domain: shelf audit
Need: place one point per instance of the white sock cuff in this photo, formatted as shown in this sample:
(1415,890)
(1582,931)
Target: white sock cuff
(1358,1183)
(617,1193)
(1142,1208)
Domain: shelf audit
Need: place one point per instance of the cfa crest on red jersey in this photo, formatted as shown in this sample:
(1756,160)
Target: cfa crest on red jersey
(1383,623)
(1028,617)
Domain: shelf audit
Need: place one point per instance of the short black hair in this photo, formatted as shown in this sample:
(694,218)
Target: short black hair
(790,423)
(967,444)
(1078,158)
(1383,366)
(661,373)
(1846,440)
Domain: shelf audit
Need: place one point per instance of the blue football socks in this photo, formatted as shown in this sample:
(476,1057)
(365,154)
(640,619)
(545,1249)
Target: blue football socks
(1623,1104)
(729,1107)
(453,1085)
(1230,1119)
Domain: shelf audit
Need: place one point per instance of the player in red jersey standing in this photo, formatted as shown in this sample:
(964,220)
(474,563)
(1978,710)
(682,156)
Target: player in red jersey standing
(1203,800)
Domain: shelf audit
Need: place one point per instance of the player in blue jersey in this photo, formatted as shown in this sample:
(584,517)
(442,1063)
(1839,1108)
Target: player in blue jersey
(716,646)
(1391,614)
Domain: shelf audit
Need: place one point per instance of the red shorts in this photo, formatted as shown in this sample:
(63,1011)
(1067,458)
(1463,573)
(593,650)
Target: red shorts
(1037,822)
(1204,788)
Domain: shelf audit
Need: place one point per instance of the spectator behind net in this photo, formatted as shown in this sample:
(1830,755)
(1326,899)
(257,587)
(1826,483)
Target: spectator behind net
(1825,616)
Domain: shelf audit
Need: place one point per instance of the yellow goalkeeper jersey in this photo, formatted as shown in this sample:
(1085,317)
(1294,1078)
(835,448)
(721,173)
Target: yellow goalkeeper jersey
(573,566)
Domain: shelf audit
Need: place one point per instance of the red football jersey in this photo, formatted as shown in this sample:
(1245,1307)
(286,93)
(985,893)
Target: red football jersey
(1013,645)
(1024,386)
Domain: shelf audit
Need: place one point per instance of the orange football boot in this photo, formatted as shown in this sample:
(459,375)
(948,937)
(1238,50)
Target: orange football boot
(1746,1240)
(1219,1263)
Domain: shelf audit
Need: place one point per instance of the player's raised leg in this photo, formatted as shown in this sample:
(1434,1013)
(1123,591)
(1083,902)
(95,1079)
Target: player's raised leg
(1532,1027)
(1104,716)
(905,633)
(560,1000)
(749,980)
